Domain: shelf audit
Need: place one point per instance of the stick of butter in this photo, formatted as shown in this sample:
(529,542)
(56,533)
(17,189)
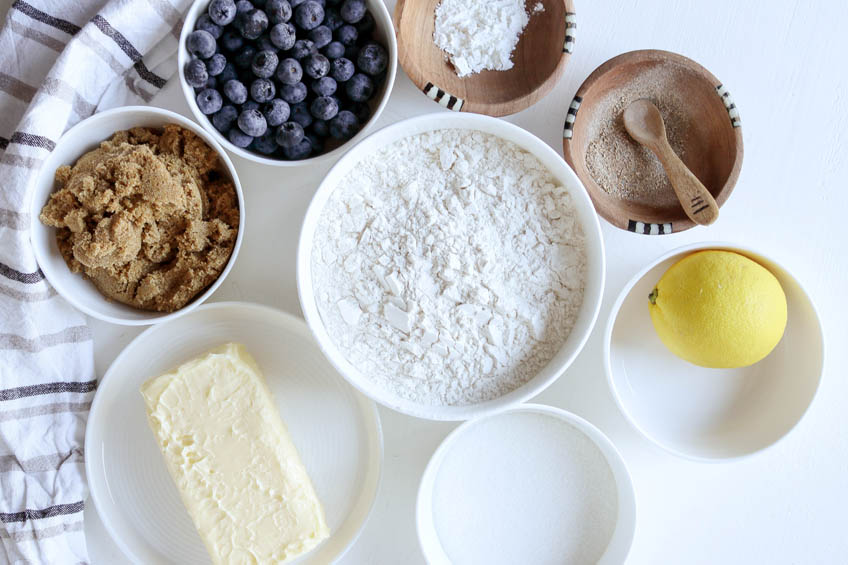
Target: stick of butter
(229,452)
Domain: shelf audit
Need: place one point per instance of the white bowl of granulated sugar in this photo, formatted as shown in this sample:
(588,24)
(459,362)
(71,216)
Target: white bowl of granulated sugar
(451,265)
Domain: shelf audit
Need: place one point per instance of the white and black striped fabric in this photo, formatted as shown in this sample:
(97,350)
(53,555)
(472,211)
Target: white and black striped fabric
(60,62)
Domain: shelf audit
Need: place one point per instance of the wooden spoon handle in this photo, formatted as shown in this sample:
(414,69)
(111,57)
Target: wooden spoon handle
(696,200)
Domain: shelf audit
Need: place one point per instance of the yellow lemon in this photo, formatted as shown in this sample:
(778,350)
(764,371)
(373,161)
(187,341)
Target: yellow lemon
(719,309)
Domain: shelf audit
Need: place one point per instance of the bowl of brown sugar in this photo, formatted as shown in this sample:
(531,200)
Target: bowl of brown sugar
(137,216)
(626,182)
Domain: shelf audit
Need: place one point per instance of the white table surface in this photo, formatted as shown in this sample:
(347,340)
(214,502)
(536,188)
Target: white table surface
(784,63)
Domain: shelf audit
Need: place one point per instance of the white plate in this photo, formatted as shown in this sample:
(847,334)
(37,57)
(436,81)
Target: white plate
(711,414)
(522,486)
(336,431)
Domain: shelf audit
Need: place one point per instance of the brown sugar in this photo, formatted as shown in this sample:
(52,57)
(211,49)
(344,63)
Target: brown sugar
(619,165)
(150,217)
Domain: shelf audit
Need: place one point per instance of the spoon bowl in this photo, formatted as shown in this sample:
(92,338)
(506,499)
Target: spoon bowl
(539,59)
(644,122)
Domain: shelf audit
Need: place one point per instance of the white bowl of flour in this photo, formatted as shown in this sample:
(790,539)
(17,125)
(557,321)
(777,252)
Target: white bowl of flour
(451,265)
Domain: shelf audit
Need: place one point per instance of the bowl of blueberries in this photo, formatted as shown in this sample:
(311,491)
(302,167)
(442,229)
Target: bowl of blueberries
(283,82)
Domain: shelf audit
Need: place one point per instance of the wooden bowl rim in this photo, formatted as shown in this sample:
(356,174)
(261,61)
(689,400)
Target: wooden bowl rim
(642,55)
(520,103)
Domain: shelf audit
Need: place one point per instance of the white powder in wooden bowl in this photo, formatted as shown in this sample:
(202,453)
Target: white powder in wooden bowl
(449,267)
(479,35)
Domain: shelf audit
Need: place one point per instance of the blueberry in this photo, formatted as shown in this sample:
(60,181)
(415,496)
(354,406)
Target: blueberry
(316,66)
(296,3)
(215,64)
(300,151)
(309,15)
(334,50)
(302,48)
(265,143)
(231,40)
(252,122)
(320,128)
(229,73)
(324,86)
(250,105)
(262,90)
(243,7)
(264,64)
(279,11)
(372,59)
(209,101)
(316,142)
(361,111)
(342,69)
(289,71)
(239,138)
(222,12)
(201,43)
(347,35)
(212,82)
(244,58)
(196,73)
(300,114)
(366,25)
(235,91)
(321,36)
(289,134)
(359,88)
(353,10)
(293,93)
(264,43)
(283,36)
(223,119)
(276,112)
(332,19)
(252,24)
(324,108)
(344,125)
(205,23)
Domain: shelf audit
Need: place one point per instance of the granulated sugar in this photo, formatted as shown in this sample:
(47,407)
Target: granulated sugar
(479,34)
(524,488)
(621,166)
(449,267)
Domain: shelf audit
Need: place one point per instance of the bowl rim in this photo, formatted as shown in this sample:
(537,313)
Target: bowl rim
(613,317)
(189,22)
(640,55)
(625,528)
(592,298)
(494,109)
(150,317)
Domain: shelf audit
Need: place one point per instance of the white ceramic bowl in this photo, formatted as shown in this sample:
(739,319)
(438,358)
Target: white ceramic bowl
(384,31)
(711,414)
(77,141)
(541,495)
(594,251)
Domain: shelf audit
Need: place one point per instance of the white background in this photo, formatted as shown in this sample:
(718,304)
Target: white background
(786,65)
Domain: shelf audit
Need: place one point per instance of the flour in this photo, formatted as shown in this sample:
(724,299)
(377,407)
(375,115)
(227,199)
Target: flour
(449,267)
(479,34)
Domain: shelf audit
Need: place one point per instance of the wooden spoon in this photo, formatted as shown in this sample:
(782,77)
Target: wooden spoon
(644,123)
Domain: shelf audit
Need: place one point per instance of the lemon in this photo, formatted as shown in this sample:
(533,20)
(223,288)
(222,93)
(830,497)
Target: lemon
(719,309)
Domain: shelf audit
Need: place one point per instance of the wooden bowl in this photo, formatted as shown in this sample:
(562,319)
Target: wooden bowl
(712,144)
(539,59)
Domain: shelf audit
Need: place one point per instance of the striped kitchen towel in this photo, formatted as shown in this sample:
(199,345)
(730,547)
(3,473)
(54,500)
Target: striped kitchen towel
(60,62)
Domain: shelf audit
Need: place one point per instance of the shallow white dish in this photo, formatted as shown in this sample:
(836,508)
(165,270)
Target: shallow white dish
(77,141)
(384,31)
(595,270)
(711,414)
(335,429)
(499,489)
